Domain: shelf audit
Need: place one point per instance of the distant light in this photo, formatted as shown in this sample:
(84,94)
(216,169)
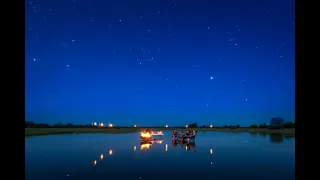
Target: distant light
(134,125)
(211,126)
(95,162)
(211,151)
(166,147)
(134,148)
(110,152)
(95,123)
(101,156)
(101,124)
(211,77)
(186,148)
(166,125)
(110,125)
(186,126)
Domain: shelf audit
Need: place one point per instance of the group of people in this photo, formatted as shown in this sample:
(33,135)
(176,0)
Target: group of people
(188,135)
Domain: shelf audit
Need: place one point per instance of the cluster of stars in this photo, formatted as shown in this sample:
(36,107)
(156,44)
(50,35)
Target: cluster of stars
(152,56)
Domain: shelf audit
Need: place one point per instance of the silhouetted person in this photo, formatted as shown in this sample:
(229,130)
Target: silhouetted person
(181,136)
(174,135)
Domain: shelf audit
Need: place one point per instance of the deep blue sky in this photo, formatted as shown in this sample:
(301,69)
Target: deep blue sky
(150,62)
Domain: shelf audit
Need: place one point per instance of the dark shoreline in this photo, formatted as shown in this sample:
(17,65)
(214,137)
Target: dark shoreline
(51,131)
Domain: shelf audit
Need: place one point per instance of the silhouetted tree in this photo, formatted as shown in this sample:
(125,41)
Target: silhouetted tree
(253,126)
(58,125)
(42,125)
(288,125)
(276,123)
(29,124)
(264,125)
(193,125)
(69,125)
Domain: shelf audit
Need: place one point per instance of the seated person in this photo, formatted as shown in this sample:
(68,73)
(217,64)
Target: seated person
(188,134)
(174,134)
(181,135)
(193,134)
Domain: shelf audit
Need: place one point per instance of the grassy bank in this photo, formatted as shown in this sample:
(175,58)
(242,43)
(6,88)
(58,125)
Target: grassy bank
(48,131)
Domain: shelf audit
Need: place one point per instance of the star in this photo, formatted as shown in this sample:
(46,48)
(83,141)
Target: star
(211,77)
(34,59)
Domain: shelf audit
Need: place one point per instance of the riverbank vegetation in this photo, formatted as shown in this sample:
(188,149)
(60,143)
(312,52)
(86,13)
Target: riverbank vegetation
(277,125)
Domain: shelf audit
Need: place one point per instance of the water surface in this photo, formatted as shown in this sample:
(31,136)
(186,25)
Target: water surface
(213,155)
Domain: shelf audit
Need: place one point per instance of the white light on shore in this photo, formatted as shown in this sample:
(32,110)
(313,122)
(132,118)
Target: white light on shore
(166,125)
(110,125)
(186,126)
(211,126)
(134,125)
(95,123)
(101,124)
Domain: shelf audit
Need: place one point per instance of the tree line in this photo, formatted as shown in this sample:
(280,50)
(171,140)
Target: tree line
(275,123)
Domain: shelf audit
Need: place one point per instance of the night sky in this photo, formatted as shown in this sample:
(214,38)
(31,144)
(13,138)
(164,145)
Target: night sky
(157,62)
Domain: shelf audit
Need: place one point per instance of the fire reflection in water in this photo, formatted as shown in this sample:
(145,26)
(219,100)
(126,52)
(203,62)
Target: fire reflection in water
(147,144)
(101,157)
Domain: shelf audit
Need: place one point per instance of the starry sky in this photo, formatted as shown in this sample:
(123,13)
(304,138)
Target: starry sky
(157,62)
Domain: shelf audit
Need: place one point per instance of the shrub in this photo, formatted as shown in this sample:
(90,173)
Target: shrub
(253,126)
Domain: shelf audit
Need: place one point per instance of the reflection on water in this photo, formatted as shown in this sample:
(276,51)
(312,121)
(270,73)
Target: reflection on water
(263,134)
(214,152)
(101,157)
(145,145)
(253,133)
(187,144)
(276,138)
(148,144)
(279,138)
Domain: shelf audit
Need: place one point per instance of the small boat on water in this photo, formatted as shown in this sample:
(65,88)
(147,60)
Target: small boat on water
(148,135)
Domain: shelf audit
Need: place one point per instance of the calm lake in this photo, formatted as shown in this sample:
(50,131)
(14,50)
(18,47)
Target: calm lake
(214,155)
